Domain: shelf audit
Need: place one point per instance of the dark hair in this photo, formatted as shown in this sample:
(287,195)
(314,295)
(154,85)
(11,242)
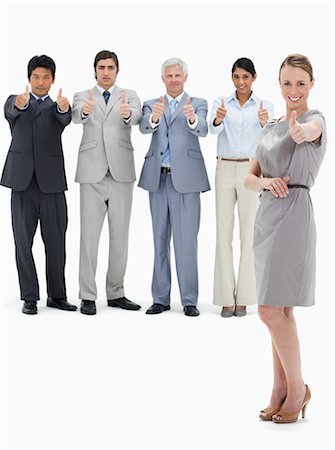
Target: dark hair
(42,61)
(106,54)
(246,64)
(300,61)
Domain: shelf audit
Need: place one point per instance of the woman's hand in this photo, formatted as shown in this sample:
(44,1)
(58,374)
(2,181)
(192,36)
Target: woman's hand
(277,186)
(302,132)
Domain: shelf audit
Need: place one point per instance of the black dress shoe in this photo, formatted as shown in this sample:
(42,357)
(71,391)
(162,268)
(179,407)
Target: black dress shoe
(191,311)
(60,303)
(88,307)
(157,308)
(29,307)
(124,303)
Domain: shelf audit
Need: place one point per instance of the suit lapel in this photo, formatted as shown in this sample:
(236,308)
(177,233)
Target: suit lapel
(179,108)
(115,96)
(167,113)
(40,108)
(99,99)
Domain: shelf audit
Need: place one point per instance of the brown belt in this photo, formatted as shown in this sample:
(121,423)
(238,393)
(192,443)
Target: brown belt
(298,186)
(233,159)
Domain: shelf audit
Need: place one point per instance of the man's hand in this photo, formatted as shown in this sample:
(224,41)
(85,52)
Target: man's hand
(62,102)
(125,110)
(158,110)
(88,106)
(22,99)
(189,111)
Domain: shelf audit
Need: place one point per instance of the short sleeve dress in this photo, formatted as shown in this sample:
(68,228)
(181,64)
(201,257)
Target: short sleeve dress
(285,234)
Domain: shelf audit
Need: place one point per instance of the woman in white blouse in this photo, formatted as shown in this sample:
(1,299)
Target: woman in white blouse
(238,121)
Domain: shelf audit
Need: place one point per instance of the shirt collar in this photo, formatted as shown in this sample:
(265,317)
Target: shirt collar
(233,97)
(177,98)
(37,97)
(102,90)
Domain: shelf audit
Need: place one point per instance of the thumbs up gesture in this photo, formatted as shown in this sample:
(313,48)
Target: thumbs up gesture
(157,110)
(263,114)
(62,102)
(88,106)
(189,111)
(125,110)
(220,113)
(22,99)
(297,131)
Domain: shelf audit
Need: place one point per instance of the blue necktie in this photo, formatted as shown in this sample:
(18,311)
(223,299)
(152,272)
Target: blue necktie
(39,101)
(106,95)
(166,155)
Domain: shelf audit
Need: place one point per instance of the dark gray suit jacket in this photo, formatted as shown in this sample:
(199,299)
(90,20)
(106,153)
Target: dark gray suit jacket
(36,146)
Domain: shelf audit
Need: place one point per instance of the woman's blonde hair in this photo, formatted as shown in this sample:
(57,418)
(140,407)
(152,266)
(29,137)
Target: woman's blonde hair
(297,60)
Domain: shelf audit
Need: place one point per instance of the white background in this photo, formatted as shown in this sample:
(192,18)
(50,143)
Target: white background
(125,380)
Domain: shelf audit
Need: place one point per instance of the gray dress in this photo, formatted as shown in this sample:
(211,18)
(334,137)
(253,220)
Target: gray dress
(285,235)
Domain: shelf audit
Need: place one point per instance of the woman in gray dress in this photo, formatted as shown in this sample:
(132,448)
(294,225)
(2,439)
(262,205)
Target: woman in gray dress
(287,160)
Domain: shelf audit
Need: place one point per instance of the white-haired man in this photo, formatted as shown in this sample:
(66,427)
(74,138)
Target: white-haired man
(174,173)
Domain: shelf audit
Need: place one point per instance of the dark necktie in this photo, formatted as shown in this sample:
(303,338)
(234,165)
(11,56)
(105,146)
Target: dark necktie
(39,101)
(106,95)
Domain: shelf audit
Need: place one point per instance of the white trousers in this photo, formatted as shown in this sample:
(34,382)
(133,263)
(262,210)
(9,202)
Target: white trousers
(229,188)
(114,199)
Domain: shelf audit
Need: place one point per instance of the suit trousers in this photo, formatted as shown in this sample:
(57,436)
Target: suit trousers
(96,200)
(28,207)
(178,214)
(230,189)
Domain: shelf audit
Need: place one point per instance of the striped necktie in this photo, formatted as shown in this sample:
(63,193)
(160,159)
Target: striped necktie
(106,95)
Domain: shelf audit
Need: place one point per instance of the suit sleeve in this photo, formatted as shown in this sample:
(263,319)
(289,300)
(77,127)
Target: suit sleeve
(11,112)
(202,127)
(63,118)
(77,109)
(145,126)
(136,110)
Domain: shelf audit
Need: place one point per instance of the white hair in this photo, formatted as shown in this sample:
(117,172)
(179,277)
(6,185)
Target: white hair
(173,62)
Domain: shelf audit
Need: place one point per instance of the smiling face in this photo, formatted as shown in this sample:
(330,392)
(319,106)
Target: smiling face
(242,81)
(174,79)
(295,85)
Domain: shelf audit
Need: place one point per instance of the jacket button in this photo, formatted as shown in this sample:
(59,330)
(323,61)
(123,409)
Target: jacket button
(161,153)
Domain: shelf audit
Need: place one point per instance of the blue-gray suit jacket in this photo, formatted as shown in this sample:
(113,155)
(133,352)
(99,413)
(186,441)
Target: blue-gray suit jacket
(188,169)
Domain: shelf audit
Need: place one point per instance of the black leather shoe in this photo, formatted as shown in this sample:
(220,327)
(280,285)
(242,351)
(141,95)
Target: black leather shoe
(29,307)
(191,311)
(124,303)
(157,308)
(88,307)
(60,303)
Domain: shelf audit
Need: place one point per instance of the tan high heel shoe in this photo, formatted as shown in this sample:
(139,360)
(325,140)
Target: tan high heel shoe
(293,417)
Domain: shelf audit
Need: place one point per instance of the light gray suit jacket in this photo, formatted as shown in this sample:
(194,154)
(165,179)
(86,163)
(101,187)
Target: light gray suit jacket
(188,171)
(106,142)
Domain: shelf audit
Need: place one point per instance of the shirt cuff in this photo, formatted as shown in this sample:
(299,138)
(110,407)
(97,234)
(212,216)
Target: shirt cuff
(154,125)
(126,121)
(23,108)
(62,112)
(194,125)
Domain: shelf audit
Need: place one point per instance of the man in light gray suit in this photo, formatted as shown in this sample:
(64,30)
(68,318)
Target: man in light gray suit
(106,174)
(174,173)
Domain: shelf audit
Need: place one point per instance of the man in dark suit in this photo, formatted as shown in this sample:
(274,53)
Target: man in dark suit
(34,170)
